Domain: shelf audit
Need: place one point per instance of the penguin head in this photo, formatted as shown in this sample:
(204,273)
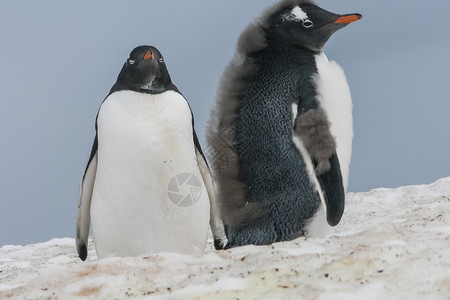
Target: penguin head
(305,24)
(144,71)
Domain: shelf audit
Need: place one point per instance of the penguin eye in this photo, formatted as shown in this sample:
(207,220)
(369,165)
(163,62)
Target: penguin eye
(161,59)
(308,23)
(130,61)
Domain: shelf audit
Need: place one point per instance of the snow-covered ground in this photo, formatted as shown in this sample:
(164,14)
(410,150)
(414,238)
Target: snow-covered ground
(391,244)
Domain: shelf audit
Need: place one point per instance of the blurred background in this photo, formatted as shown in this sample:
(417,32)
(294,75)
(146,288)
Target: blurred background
(59,60)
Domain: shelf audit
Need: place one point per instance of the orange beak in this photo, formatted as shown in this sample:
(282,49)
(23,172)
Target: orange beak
(347,19)
(149,55)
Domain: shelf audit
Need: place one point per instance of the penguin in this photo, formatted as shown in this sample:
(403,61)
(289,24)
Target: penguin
(147,187)
(280,134)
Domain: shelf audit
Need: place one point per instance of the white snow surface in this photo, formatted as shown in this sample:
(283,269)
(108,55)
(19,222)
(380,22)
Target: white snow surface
(391,244)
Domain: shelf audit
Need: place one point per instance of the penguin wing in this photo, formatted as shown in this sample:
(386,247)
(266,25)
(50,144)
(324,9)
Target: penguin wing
(215,221)
(84,203)
(333,191)
(313,129)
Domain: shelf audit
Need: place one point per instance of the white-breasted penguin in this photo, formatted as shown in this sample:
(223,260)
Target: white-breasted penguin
(281,131)
(147,187)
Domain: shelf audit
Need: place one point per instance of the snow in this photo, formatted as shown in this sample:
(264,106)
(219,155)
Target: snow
(391,244)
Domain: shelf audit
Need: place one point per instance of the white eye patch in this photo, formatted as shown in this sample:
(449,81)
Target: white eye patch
(296,14)
(299,14)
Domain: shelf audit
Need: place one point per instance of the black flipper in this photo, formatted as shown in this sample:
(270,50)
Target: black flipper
(84,203)
(313,129)
(333,191)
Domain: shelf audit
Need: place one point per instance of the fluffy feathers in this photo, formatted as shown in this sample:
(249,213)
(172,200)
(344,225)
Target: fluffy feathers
(313,128)
(231,191)
(268,187)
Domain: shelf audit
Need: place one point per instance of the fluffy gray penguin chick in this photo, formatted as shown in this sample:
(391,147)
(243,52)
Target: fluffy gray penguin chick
(282,128)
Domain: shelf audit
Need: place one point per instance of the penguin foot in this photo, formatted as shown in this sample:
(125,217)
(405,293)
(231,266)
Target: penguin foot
(218,244)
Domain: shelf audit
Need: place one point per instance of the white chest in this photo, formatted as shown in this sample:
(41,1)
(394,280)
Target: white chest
(334,96)
(144,143)
(133,121)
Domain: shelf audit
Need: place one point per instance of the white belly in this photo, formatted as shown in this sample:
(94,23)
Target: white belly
(145,143)
(335,98)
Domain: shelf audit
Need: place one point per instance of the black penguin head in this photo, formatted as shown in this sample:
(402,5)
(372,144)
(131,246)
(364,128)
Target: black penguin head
(305,24)
(144,71)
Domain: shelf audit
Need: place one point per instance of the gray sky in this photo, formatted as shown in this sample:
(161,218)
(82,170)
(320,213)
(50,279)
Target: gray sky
(59,59)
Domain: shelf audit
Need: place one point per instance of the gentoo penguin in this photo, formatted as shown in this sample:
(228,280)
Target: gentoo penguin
(147,187)
(280,135)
